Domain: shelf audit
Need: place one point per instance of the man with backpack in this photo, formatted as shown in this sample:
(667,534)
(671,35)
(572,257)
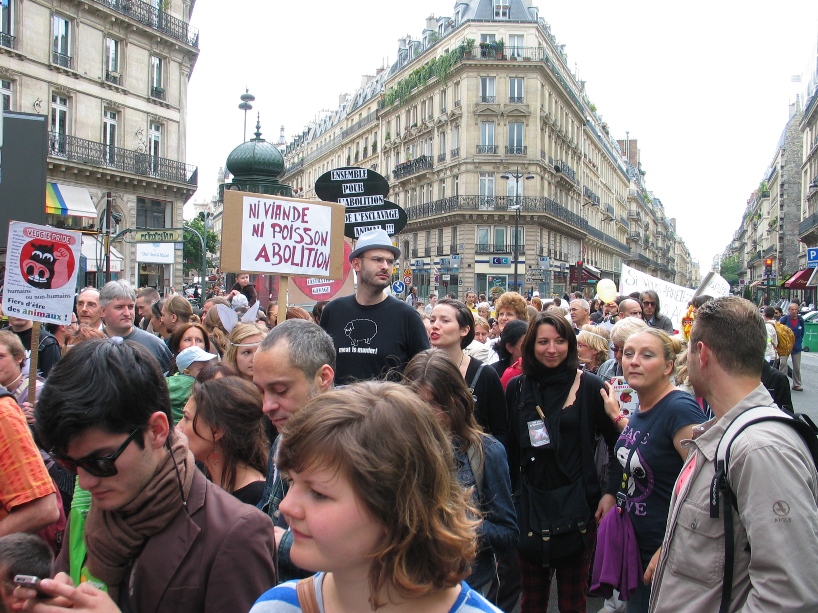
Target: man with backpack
(795,324)
(763,480)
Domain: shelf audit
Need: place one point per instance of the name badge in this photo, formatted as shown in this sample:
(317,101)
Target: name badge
(538,433)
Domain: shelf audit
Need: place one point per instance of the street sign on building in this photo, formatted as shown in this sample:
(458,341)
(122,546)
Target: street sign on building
(407,279)
(169,235)
(812,257)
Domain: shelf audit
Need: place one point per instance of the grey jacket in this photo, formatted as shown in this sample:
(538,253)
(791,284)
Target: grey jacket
(773,476)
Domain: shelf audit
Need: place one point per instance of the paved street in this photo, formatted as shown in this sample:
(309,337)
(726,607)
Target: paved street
(807,401)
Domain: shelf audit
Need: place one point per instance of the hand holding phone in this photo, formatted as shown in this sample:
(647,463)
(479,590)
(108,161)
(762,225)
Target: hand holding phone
(29,581)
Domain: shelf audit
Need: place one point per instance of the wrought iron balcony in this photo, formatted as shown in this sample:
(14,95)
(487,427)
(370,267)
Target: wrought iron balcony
(486,148)
(113,77)
(415,252)
(624,222)
(424,162)
(488,99)
(439,250)
(441,157)
(60,59)
(634,214)
(453,249)
(808,225)
(93,153)
(590,195)
(562,167)
(515,100)
(427,251)
(153,17)
(528,204)
(635,236)
(7,40)
(158,93)
(512,150)
(495,248)
(456,152)
(608,210)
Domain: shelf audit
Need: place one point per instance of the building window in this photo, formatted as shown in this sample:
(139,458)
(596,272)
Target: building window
(501,9)
(483,239)
(150,213)
(157,68)
(486,138)
(487,38)
(515,90)
(486,187)
(59,124)
(454,239)
(440,237)
(155,146)
(6,93)
(457,185)
(515,45)
(515,139)
(443,100)
(109,123)
(499,238)
(61,49)
(7,23)
(487,89)
(112,60)
(441,189)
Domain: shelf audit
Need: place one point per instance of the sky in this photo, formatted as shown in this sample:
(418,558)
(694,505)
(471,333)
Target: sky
(705,89)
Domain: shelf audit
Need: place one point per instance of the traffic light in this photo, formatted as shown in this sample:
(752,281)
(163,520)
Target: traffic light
(579,271)
(768,267)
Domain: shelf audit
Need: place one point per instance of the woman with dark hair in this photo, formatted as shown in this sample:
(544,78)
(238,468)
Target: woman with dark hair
(188,335)
(481,459)
(317,309)
(509,345)
(555,413)
(216,370)
(156,319)
(222,422)
(452,329)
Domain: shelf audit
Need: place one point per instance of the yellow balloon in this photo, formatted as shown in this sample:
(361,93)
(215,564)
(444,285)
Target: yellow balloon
(606,290)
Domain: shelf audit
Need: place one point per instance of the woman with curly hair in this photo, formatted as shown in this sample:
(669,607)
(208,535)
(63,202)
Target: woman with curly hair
(375,507)
(593,347)
(218,333)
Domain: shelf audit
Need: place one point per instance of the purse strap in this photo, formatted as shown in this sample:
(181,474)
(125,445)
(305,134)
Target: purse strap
(305,589)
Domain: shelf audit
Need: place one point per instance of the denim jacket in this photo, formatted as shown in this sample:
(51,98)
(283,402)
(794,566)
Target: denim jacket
(498,531)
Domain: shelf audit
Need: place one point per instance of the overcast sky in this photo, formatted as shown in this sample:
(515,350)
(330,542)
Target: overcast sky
(705,88)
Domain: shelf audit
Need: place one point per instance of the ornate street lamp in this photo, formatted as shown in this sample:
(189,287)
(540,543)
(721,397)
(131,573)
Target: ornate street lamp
(516,207)
(246,99)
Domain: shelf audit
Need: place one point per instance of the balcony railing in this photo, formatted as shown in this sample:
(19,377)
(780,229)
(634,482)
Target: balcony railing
(624,222)
(439,250)
(635,236)
(608,210)
(528,204)
(427,251)
(456,152)
(512,150)
(807,225)
(113,77)
(488,99)
(563,168)
(453,249)
(93,153)
(412,167)
(634,214)
(7,40)
(60,59)
(158,93)
(441,157)
(153,17)
(590,195)
(486,148)
(515,100)
(495,248)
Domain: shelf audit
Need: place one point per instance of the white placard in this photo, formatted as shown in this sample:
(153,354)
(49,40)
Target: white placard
(285,237)
(41,272)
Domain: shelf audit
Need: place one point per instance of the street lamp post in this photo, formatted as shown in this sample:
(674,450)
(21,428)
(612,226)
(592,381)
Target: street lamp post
(246,99)
(204,264)
(517,206)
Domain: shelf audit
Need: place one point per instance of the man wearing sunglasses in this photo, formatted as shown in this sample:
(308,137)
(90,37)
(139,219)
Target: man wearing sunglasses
(158,533)
(373,333)
(651,314)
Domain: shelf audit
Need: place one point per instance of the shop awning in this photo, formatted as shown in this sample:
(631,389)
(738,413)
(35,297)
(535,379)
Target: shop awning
(799,280)
(68,200)
(593,271)
(94,251)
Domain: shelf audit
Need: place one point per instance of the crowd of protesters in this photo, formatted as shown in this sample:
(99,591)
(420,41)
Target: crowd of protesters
(398,456)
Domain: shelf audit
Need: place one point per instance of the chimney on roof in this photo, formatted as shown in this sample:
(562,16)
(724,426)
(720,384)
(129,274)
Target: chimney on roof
(431,22)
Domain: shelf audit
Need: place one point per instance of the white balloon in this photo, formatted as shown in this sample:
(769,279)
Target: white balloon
(606,290)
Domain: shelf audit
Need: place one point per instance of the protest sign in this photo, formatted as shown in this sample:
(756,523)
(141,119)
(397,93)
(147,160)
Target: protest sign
(41,273)
(673,298)
(282,236)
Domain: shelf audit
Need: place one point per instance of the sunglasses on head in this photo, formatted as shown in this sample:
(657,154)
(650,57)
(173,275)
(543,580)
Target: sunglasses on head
(104,466)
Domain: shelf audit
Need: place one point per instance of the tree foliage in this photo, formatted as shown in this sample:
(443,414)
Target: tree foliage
(729,269)
(193,247)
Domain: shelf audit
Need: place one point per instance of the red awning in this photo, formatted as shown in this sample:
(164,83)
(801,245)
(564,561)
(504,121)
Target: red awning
(799,280)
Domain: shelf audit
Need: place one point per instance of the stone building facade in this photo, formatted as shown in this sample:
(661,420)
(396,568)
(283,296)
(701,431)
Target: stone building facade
(494,150)
(112,77)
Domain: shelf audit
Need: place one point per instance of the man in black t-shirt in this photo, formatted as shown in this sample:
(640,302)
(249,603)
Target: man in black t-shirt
(373,333)
(48,348)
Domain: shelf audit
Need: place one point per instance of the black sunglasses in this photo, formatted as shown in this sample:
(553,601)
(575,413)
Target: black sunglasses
(98,467)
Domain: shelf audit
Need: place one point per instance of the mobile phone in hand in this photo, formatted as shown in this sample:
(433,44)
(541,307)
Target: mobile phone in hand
(29,581)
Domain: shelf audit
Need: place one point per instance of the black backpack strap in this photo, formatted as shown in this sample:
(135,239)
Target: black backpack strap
(473,382)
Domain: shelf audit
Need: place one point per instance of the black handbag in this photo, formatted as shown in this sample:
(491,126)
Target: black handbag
(553,523)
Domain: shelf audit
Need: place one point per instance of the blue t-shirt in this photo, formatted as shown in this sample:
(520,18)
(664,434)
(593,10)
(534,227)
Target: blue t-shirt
(284,599)
(654,465)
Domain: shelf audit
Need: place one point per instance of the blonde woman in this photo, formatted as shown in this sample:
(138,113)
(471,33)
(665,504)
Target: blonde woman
(593,347)
(244,341)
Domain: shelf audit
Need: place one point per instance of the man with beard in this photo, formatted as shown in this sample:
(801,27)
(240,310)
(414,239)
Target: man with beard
(373,333)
